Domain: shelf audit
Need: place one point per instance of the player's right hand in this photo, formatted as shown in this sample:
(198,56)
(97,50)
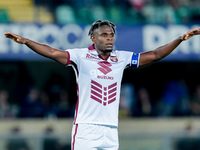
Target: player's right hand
(191,33)
(16,38)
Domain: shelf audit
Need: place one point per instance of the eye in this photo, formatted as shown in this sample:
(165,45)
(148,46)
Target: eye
(104,34)
(112,34)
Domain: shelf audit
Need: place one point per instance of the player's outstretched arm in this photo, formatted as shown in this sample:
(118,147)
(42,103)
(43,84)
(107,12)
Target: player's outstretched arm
(42,49)
(162,51)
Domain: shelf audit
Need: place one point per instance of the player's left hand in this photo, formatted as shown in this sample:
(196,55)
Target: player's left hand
(191,33)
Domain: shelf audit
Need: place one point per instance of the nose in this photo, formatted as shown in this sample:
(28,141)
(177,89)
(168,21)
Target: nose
(110,37)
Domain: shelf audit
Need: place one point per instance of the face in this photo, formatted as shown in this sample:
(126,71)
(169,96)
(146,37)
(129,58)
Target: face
(104,38)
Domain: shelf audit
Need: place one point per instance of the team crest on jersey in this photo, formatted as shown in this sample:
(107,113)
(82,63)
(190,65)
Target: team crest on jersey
(113,59)
(103,95)
(105,67)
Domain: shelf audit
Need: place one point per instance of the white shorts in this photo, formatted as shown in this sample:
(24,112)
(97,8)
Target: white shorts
(94,137)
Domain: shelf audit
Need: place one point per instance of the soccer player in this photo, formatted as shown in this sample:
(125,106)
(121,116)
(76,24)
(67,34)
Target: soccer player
(99,71)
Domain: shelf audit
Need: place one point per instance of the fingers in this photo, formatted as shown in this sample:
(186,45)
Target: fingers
(191,33)
(198,32)
(195,31)
(9,35)
(14,37)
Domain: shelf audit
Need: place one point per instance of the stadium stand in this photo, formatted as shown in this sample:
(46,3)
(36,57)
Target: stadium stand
(4,17)
(65,14)
(129,12)
(43,15)
(23,11)
(20,10)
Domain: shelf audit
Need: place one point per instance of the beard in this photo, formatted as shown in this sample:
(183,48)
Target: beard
(107,51)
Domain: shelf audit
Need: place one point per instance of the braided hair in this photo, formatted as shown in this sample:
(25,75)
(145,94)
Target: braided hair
(100,23)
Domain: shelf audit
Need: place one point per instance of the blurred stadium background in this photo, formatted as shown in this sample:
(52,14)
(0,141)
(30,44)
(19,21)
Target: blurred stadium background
(160,103)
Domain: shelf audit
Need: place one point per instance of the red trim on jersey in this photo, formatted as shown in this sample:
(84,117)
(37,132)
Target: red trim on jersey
(104,58)
(112,55)
(91,47)
(69,62)
(68,59)
(77,104)
(75,67)
(74,137)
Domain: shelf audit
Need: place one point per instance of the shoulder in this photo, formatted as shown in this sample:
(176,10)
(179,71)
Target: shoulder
(121,53)
(77,50)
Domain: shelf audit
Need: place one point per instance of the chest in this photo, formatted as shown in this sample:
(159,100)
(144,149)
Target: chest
(94,67)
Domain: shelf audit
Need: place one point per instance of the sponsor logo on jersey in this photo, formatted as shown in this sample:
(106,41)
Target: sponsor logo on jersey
(92,57)
(105,77)
(105,67)
(103,95)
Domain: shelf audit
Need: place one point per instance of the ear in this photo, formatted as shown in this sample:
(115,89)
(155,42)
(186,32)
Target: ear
(93,38)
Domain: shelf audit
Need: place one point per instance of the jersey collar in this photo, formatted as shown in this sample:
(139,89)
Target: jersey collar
(93,51)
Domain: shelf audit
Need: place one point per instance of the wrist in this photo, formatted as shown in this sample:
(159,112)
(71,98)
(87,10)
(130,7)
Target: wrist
(26,41)
(181,38)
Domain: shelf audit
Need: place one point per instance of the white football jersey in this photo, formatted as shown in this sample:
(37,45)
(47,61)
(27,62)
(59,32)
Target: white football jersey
(99,83)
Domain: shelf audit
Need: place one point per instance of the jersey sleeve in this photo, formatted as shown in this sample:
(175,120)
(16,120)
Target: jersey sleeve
(131,58)
(135,60)
(72,56)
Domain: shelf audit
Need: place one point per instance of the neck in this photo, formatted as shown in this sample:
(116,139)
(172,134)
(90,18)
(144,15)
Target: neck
(104,54)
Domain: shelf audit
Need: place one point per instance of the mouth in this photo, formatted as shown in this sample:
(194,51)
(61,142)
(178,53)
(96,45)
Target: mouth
(109,44)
